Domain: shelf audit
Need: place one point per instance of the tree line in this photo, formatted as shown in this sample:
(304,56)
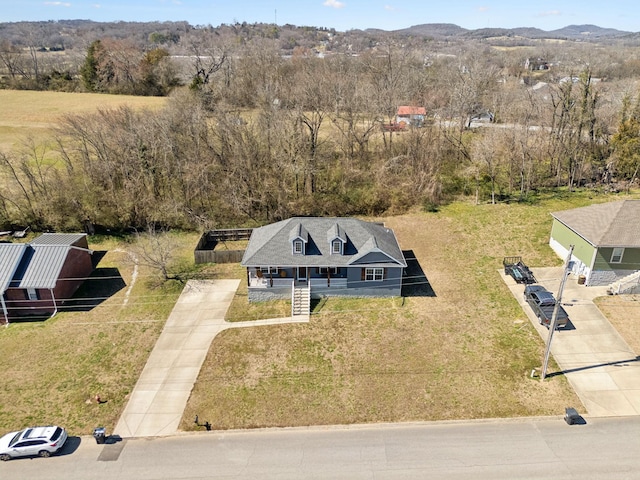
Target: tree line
(253,136)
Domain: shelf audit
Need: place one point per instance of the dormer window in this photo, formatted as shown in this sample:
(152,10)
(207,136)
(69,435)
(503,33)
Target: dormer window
(337,238)
(298,237)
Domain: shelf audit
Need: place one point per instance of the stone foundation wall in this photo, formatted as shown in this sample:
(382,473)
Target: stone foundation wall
(284,293)
(602,278)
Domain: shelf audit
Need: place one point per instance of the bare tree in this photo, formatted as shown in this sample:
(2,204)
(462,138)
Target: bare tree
(12,58)
(156,250)
(208,56)
(574,128)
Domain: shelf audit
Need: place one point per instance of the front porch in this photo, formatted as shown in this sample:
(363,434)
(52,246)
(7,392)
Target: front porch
(277,277)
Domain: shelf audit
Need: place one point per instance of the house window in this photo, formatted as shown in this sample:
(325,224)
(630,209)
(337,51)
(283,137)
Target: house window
(32,294)
(336,246)
(297,246)
(273,270)
(616,255)
(374,274)
(332,270)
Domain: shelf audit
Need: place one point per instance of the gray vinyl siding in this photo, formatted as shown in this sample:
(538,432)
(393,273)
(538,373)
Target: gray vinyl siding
(391,286)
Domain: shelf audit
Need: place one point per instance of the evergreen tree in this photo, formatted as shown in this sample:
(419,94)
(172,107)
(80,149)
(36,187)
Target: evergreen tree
(89,70)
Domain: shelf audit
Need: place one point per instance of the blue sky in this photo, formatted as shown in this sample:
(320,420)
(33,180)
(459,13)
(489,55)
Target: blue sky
(340,14)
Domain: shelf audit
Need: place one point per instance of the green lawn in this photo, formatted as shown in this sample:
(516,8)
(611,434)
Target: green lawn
(459,347)
(462,348)
(53,369)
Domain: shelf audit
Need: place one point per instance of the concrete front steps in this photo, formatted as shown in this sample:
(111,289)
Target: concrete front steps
(301,300)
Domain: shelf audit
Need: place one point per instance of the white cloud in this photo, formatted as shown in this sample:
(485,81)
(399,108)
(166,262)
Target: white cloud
(389,8)
(334,4)
(58,4)
(483,9)
(550,13)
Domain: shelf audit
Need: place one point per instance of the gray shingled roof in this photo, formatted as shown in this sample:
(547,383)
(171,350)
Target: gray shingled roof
(271,245)
(10,256)
(614,224)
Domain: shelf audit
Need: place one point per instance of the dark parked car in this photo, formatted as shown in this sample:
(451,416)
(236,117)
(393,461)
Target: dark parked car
(543,302)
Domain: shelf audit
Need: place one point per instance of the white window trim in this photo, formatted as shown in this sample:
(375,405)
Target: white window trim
(269,269)
(300,245)
(333,247)
(376,274)
(332,270)
(620,254)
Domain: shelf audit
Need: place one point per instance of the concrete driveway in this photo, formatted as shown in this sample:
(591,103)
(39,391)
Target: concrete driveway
(600,366)
(158,400)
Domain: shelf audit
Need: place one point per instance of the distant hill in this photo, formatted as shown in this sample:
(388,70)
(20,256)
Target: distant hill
(434,30)
(571,32)
(176,36)
(582,31)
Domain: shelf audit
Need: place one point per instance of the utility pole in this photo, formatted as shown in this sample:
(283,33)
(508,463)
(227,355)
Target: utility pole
(554,318)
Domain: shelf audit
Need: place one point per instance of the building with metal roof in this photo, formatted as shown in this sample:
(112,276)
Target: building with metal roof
(36,277)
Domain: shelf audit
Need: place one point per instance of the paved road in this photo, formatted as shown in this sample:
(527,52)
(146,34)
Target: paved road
(603,448)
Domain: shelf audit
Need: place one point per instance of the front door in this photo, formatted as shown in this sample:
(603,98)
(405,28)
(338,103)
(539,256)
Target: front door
(302,274)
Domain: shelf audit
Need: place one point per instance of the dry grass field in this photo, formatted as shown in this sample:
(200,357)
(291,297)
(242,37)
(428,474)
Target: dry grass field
(623,311)
(98,345)
(459,347)
(456,346)
(30,114)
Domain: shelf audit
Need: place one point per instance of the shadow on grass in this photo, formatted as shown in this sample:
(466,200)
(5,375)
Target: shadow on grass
(101,285)
(317,304)
(415,282)
(619,363)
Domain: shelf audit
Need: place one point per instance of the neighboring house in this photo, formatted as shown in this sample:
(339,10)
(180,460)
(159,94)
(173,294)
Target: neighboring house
(481,117)
(330,256)
(36,277)
(606,239)
(536,64)
(413,116)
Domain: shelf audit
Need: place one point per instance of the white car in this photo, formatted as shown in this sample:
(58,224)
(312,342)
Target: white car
(42,441)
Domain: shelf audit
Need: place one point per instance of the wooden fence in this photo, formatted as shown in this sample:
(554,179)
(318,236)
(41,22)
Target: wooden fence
(205,250)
